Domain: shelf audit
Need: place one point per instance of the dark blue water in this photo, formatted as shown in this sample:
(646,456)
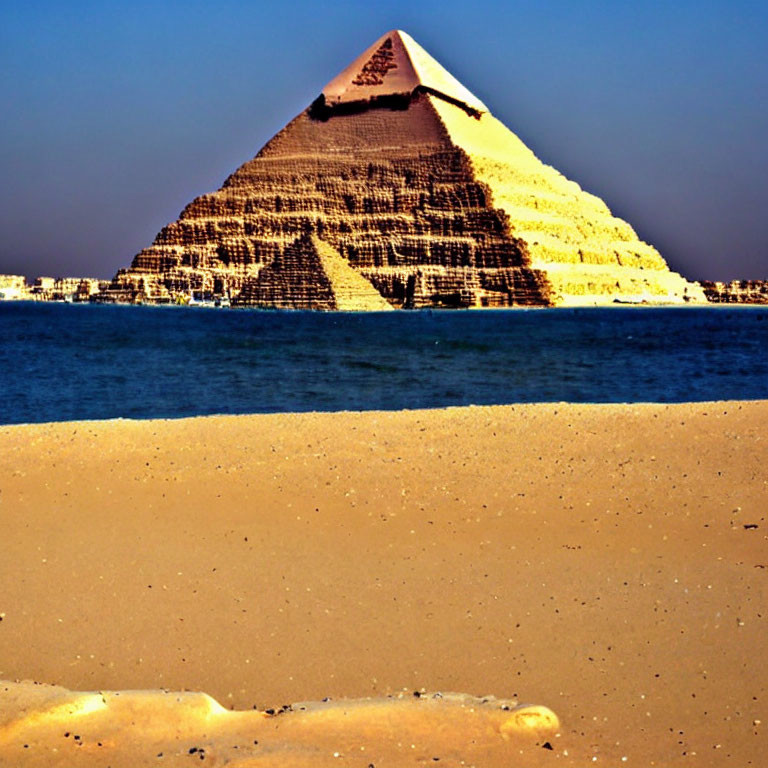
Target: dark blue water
(61,362)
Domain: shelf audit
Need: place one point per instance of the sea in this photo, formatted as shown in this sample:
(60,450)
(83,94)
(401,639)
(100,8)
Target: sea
(61,362)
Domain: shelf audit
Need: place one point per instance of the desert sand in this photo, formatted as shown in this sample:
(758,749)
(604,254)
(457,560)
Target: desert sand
(606,562)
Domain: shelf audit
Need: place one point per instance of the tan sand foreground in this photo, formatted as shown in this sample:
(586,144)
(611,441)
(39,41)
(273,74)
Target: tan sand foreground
(608,562)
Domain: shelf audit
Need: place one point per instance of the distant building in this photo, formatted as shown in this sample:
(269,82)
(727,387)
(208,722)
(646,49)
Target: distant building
(74,289)
(13,287)
(43,284)
(737,292)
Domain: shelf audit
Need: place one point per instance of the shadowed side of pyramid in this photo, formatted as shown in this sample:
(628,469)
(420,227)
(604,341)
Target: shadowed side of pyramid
(398,185)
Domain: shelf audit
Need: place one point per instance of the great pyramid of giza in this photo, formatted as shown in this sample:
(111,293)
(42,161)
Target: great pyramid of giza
(398,188)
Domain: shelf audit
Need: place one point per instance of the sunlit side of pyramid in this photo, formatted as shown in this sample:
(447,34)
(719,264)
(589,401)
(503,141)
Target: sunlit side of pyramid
(398,188)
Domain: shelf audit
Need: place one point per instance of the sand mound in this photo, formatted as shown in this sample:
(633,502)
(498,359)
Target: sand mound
(53,726)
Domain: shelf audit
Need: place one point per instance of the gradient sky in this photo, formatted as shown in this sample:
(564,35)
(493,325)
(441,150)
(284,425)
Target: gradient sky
(116,114)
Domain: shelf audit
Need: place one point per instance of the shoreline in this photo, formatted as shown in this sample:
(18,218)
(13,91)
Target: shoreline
(603,560)
(377,411)
(613,304)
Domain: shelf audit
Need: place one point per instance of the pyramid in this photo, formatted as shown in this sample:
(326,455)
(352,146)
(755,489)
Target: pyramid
(397,188)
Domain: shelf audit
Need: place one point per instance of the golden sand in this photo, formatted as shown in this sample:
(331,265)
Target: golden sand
(608,562)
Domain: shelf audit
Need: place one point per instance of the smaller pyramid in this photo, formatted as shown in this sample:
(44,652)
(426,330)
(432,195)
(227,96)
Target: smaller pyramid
(311,274)
(396,65)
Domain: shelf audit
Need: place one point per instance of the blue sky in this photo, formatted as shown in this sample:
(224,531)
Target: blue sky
(117,114)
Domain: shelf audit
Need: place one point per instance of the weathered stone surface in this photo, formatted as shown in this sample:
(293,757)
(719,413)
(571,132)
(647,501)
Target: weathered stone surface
(736,292)
(402,173)
(588,255)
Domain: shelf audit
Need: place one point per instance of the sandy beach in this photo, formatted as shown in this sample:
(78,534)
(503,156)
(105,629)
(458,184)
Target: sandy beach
(607,562)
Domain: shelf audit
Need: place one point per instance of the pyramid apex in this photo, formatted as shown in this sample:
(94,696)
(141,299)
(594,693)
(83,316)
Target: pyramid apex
(396,65)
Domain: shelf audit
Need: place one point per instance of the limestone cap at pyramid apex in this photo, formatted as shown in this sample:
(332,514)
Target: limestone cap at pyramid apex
(395,64)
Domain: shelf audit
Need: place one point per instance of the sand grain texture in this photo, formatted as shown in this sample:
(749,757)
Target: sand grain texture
(606,561)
